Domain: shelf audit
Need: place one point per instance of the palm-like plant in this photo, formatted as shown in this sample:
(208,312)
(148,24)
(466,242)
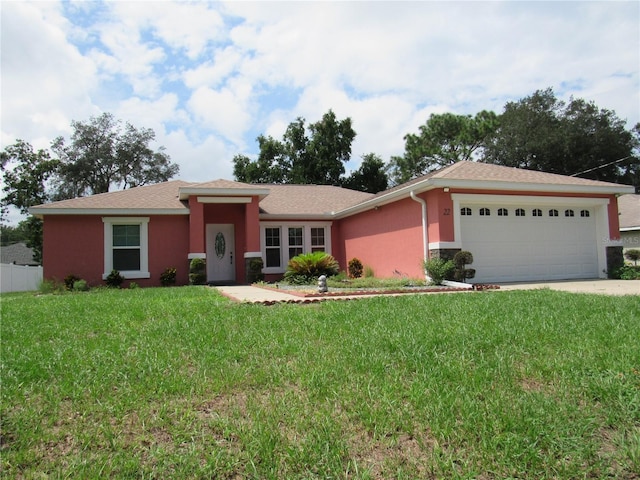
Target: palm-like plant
(307,267)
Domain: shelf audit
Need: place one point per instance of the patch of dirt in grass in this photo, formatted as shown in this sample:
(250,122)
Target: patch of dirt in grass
(381,457)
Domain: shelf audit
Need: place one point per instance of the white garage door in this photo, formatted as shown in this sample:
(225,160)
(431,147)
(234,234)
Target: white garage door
(519,243)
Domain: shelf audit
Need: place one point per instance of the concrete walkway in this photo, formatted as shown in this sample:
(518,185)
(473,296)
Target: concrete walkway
(251,294)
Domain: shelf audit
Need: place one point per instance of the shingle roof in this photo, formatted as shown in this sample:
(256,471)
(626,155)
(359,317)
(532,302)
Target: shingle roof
(313,200)
(17,253)
(629,208)
(161,196)
(479,171)
(309,199)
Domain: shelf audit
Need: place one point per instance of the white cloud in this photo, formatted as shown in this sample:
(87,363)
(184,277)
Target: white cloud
(208,77)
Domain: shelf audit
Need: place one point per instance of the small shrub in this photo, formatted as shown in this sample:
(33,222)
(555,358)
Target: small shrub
(307,267)
(632,255)
(114,279)
(438,269)
(628,272)
(255,270)
(355,268)
(133,286)
(460,261)
(168,277)
(80,286)
(198,271)
(368,272)
(69,280)
(51,286)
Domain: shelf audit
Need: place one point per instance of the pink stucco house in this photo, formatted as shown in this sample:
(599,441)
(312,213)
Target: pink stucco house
(520,225)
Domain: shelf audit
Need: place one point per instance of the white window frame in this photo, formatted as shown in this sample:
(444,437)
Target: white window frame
(284,240)
(143,222)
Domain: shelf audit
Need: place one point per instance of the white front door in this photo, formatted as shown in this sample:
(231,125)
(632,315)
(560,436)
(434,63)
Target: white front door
(221,255)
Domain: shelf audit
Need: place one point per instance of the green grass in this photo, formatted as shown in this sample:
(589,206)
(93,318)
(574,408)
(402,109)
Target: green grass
(183,383)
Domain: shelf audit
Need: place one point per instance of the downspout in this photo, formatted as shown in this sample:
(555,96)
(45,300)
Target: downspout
(425,234)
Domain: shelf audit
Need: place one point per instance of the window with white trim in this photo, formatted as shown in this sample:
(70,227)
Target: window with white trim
(279,242)
(584,213)
(485,212)
(126,246)
(465,211)
(503,212)
(536,212)
(520,212)
(553,212)
(317,239)
(569,213)
(272,247)
(296,241)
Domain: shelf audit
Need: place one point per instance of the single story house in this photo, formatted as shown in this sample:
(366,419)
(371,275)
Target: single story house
(520,225)
(629,207)
(17,254)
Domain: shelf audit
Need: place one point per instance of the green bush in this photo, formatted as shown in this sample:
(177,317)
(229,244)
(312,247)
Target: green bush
(51,286)
(355,268)
(628,272)
(114,279)
(80,286)
(198,271)
(307,267)
(168,277)
(69,280)
(438,269)
(460,261)
(255,270)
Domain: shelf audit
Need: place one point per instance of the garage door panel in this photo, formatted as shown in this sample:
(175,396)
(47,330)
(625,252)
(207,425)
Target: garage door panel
(510,248)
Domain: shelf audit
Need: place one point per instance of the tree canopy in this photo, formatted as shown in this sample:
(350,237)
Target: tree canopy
(306,155)
(540,132)
(370,177)
(102,154)
(444,139)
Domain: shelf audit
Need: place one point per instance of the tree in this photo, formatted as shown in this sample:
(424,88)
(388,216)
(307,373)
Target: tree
(371,177)
(101,155)
(540,132)
(25,175)
(313,155)
(444,139)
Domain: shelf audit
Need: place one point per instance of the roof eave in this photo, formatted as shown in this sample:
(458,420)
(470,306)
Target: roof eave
(610,189)
(294,217)
(186,192)
(41,212)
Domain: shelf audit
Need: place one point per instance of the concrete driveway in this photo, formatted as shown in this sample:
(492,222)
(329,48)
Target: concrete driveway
(605,287)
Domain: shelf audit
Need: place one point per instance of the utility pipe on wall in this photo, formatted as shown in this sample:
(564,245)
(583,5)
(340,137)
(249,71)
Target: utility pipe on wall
(425,234)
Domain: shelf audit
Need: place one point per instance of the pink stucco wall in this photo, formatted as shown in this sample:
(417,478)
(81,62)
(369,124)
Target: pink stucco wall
(389,239)
(74,244)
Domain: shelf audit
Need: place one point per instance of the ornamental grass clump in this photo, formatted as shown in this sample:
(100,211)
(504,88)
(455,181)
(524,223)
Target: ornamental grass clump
(305,268)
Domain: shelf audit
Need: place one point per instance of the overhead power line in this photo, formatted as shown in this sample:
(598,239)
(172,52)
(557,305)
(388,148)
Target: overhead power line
(601,166)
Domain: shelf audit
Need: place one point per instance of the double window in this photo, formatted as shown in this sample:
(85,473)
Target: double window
(282,242)
(126,246)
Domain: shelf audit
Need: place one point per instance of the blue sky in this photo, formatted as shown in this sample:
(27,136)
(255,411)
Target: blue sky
(209,77)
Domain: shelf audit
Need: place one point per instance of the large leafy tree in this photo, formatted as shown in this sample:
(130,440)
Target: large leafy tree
(101,155)
(540,132)
(371,177)
(444,139)
(306,155)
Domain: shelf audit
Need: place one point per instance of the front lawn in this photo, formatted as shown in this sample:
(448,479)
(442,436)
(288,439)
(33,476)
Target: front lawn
(183,383)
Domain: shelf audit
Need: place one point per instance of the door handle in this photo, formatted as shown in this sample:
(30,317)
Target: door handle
(231,258)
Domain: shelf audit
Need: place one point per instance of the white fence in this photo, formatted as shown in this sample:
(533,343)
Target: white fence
(17,278)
